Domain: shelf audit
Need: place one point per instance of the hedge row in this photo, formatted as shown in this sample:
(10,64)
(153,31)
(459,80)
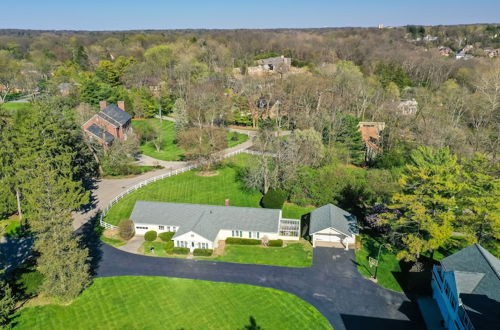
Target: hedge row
(203,252)
(243,241)
(166,236)
(169,247)
(275,243)
(180,250)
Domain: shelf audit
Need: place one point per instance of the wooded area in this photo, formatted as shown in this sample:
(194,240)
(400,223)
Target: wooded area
(434,173)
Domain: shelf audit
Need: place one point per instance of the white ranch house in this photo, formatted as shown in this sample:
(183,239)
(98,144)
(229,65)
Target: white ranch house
(330,225)
(203,226)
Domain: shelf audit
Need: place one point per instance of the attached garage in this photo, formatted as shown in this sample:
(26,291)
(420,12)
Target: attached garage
(333,227)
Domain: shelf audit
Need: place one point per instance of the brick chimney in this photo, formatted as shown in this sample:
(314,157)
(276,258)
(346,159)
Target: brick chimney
(102,104)
(121,105)
(226,202)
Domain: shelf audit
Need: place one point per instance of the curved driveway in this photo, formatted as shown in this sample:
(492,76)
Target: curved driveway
(332,285)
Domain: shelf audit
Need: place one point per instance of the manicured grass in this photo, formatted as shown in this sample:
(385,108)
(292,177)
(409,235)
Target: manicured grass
(191,188)
(10,227)
(169,303)
(159,249)
(16,105)
(169,150)
(293,211)
(388,264)
(112,241)
(292,255)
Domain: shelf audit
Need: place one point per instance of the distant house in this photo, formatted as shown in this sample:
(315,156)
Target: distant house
(464,53)
(466,287)
(109,124)
(430,38)
(445,51)
(329,225)
(279,64)
(65,88)
(203,226)
(408,107)
(490,52)
(370,132)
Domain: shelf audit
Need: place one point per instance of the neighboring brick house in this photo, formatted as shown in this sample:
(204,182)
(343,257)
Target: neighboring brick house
(370,132)
(111,123)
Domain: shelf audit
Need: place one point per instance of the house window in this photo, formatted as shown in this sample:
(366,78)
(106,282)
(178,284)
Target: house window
(139,227)
(257,234)
(249,234)
(241,233)
(237,233)
(168,228)
(161,227)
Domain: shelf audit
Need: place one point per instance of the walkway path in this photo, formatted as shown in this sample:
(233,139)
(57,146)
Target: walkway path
(332,285)
(133,245)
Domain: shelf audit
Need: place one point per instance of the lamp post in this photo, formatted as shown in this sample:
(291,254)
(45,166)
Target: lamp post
(378,258)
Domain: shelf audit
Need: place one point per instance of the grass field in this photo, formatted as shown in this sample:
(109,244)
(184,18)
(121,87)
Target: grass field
(191,188)
(16,105)
(169,303)
(292,255)
(388,263)
(169,150)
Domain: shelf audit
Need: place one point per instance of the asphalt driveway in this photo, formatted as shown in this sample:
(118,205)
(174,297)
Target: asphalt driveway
(333,285)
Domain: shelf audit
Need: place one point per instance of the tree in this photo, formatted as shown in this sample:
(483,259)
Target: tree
(7,302)
(181,116)
(479,218)
(347,134)
(203,144)
(427,202)
(51,196)
(80,57)
(9,74)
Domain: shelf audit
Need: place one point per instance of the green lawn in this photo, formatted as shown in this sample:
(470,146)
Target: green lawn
(292,255)
(191,188)
(388,263)
(16,105)
(10,227)
(170,303)
(169,150)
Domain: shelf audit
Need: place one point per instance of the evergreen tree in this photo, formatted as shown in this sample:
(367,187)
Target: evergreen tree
(50,197)
(349,135)
(427,202)
(81,58)
(7,302)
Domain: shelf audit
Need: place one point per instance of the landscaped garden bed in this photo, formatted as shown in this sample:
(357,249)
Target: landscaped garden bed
(119,303)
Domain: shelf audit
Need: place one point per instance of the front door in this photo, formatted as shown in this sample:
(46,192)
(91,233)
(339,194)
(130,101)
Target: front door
(192,247)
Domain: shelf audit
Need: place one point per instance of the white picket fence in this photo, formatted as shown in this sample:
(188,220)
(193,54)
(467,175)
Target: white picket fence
(148,181)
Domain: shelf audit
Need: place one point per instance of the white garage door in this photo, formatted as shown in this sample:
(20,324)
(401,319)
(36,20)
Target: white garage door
(326,238)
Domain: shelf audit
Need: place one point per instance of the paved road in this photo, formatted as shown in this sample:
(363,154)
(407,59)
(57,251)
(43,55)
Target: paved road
(332,285)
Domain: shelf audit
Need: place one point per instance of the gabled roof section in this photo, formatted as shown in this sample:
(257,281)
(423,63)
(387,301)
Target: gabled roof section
(100,133)
(477,277)
(113,114)
(206,220)
(331,216)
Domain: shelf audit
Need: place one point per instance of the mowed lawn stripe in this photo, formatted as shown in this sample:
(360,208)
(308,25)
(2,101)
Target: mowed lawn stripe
(169,303)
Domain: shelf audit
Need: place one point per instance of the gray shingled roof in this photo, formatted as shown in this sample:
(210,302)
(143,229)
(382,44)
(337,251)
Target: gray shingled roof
(332,216)
(205,220)
(477,276)
(113,114)
(100,133)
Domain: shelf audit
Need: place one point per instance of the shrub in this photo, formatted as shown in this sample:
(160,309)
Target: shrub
(166,236)
(180,250)
(203,252)
(126,229)
(274,199)
(276,243)
(243,241)
(169,247)
(150,235)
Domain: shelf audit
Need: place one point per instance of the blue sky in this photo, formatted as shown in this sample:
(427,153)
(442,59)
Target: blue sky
(213,14)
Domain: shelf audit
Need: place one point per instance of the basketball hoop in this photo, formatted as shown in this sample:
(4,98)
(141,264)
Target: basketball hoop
(373,262)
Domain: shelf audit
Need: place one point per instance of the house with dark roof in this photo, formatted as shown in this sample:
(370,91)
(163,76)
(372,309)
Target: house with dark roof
(111,123)
(330,225)
(466,287)
(203,226)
